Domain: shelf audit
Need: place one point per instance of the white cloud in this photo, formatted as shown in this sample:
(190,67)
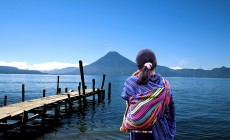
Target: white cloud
(41,66)
(21,65)
(176,68)
(51,66)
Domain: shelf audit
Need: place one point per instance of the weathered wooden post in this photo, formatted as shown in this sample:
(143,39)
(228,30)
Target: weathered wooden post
(23,92)
(70,104)
(59,91)
(24,120)
(79,92)
(66,90)
(109,91)
(5,100)
(83,82)
(79,88)
(44,93)
(82,75)
(57,111)
(103,94)
(99,95)
(103,81)
(57,85)
(93,81)
(102,87)
(43,121)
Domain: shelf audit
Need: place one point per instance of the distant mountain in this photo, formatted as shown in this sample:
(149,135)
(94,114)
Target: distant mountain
(62,71)
(222,72)
(165,71)
(115,64)
(13,70)
(111,64)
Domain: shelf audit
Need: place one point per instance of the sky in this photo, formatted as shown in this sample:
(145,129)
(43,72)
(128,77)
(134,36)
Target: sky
(50,34)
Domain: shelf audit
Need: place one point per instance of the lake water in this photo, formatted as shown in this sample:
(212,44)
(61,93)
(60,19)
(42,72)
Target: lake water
(202,106)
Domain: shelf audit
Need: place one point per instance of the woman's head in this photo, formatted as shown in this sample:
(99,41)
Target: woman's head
(146,62)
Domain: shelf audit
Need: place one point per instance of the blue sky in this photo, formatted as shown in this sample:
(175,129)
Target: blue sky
(48,34)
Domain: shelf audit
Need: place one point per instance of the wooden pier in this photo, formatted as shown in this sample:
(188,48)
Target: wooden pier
(19,114)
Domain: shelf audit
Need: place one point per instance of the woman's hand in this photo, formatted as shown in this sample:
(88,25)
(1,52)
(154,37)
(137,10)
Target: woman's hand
(123,128)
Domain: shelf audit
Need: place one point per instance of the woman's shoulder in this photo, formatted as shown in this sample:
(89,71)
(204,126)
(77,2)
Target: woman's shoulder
(131,81)
(133,78)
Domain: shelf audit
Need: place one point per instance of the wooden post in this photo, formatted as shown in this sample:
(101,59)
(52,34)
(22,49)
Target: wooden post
(5,100)
(79,92)
(66,90)
(103,95)
(24,120)
(70,103)
(59,91)
(57,85)
(109,91)
(93,81)
(44,93)
(23,92)
(82,81)
(103,81)
(93,90)
(66,107)
(57,111)
(82,76)
(43,118)
(84,100)
(98,95)
(79,88)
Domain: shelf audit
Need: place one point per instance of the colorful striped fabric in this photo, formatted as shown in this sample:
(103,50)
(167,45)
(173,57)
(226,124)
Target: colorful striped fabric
(145,108)
(165,126)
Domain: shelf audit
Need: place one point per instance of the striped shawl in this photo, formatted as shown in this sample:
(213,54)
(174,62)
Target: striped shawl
(145,108)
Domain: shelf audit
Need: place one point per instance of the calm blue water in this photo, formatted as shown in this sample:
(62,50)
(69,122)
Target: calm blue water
(202,106)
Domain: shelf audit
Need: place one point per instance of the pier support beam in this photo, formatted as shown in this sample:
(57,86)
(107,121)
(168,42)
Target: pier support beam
(43,121)
(109,91)
(59,91)
(23,92)
(5,100)
(93,84)
(58,85)
(70,104)
(44,93)
(57,111)
(24,120)
(79,92)
(83,82)
(66,90)
(98,95)
(103,81)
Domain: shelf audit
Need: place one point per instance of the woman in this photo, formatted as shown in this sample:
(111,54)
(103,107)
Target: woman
(146,83)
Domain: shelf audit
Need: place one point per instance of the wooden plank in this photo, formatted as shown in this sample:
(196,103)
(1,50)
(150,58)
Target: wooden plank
(19,108)
(4,116)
